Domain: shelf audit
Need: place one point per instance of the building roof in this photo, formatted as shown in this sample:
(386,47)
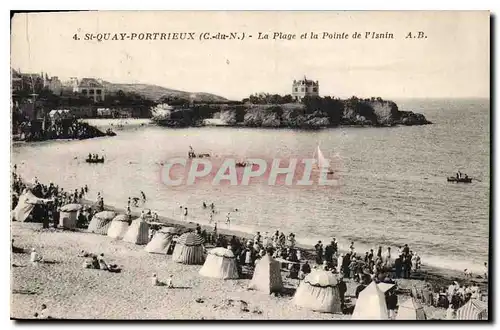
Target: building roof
(90,82)
(305,81)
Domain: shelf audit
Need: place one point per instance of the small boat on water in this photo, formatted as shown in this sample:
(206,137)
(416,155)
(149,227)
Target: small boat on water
(191,154)
(95,161)
(243,164)
(458,180)
(322,163)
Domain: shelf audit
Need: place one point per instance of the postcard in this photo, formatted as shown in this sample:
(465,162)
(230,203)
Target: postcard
(250,165)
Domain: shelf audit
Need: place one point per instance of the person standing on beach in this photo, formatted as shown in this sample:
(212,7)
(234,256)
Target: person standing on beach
(329,255)
(485,271)
(214,233)
(228,219)
(319,253)
(335,246)
(129,213)
(387,257)
(351,247)
(185,214)
(391,300)
(211,217)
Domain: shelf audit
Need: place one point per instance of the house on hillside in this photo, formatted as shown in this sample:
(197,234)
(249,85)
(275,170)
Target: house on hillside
(89,87)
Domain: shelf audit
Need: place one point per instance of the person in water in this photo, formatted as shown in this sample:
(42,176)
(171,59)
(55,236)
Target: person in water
(143,195)
(204,205)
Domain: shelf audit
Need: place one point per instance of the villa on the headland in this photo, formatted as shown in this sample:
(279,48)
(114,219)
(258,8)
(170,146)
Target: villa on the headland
(304,87)
(89,87)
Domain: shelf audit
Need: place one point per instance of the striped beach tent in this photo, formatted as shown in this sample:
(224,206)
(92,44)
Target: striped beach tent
(370,304)
(267,275)
(319,292)
(138,232)
(119,226)
(474,309)
(411,310)
(220,263)
(161,240)
(101,222)
(68,215)
(189,249)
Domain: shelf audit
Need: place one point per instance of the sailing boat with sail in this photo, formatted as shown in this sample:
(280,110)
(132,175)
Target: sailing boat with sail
(322,163)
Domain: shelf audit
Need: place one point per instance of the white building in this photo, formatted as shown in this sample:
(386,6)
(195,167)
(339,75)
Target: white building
(304,87)
(89,87)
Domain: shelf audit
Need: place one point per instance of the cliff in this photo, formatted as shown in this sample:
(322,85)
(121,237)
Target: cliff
(309,114)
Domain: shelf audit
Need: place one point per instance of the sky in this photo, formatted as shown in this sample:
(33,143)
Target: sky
(452,62)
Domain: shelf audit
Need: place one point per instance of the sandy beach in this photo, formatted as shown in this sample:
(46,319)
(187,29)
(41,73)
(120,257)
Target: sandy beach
(69,291)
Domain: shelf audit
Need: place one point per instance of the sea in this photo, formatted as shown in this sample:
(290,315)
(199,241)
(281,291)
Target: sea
(392,188)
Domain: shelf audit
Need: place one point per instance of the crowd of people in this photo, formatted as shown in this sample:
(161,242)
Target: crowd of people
(357,266)
(451,298)
(55,197)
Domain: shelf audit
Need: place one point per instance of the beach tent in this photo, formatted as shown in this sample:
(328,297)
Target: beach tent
(101,222)
(26,204)
(411,310)
(118,227)
(371,304)
(384,287)
(161,240)
(474,309)
(319,292)
(189,249)
(220,263)
(267,275)
(68,215)
(138,232)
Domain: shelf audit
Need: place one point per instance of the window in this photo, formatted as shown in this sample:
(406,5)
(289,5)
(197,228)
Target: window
(98,91)
(84,91)
(315,89)
(91,91)
(302,89)
(296,89)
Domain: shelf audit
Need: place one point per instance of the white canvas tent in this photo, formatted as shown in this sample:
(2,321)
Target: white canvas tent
(101,222)
(220,263)
(267,275)
(319,292)
(161,240)
(411,310)
(370,304)
(68,215)
(119,226)
(59,114)
(26,204)
(138,232)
